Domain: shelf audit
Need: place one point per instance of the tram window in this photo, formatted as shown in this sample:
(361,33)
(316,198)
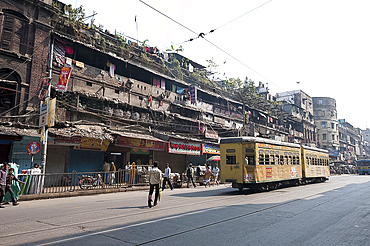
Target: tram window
(249,160)
(272,159)
(262,160)
(289,160)
(285,160)
(277,160)
(295,160)
(267,160)
(230,159)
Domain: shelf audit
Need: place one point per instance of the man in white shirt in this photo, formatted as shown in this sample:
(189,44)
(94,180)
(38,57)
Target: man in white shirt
(167,177)
(155,176)
(215,172)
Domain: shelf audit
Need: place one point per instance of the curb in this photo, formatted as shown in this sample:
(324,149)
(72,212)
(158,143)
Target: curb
(79,193)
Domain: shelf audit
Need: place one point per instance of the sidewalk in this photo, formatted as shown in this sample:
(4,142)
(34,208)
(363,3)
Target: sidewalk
(84,192)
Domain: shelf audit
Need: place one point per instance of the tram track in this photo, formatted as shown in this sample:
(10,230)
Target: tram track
(210,200)
(186,214)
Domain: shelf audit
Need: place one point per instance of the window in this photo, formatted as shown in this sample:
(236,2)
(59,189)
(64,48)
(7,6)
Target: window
(249,160)
(267,159)
(281,160)
(14,32)
(88,84)
(332,126)
(324,136)
(323,124)
(231,160)
(332,137)
(116,91)
(261,159)
(320,101)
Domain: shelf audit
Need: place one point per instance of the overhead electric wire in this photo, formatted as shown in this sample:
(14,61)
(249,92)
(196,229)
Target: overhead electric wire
(203,34)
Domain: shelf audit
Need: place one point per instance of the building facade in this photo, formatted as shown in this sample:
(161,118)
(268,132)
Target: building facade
(325,113)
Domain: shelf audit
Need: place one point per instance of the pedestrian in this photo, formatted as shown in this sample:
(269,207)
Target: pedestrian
(9,180)
(112,170)
(207,176)
(3,175)
(167,177)
(155,177)
(190,175)
(215,172)
(106,168)
(36,169)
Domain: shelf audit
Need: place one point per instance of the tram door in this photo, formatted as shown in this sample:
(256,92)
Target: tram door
(232,163)
(249,163)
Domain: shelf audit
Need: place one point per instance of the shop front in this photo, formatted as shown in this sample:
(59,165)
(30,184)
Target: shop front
(187,150)
(139,150)
(81,154)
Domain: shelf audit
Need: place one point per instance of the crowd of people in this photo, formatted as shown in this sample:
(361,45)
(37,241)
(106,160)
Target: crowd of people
(6,180)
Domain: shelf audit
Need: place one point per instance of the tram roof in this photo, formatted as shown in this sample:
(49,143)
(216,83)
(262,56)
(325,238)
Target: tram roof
(315,149)
(246,139)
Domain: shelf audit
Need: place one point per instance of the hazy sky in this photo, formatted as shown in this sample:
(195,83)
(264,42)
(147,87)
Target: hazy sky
(324,44)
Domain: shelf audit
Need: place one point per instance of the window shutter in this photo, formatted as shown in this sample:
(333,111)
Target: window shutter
(6,40)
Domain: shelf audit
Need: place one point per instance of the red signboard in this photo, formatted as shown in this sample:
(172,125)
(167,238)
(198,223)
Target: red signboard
(177,146)
(139,143)
(65,74)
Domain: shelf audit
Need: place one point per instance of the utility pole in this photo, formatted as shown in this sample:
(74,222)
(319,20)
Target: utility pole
(45,130)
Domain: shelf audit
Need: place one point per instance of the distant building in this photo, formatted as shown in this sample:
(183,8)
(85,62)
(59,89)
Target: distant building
(325,113)
(298,105)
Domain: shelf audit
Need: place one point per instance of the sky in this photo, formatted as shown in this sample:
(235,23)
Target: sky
(322,44)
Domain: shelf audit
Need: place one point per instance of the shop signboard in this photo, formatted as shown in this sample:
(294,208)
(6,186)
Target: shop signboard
(67,141)
(44,112)
(139,143)
(211,134)
(93,144)
(177,146)
(211,149)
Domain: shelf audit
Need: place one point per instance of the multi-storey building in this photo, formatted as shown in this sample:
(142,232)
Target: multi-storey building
(298,105)
(123,101)
(325,114)
(351,141)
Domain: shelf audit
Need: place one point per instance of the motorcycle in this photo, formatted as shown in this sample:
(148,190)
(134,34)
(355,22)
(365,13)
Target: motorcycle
(87,181)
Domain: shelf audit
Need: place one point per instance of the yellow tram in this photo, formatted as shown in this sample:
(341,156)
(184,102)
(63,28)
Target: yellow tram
(264,164)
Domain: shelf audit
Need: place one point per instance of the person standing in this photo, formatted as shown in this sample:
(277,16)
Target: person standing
(215,172)
(207,176)
(155,177)
(112,170)
(9,181)
(3,175)
(190,175)
(167,177)
(106,168)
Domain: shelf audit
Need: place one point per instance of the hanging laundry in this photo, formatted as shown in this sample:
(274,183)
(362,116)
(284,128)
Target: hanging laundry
(163,84)
(119,77)
(112,68)
(69,50)
(59,53)
(156,82)
(191,68)
(180,90)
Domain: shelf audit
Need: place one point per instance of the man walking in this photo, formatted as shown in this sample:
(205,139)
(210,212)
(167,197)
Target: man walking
(190,175)
(3,175)
(155,176)
(167,177)
(9,181)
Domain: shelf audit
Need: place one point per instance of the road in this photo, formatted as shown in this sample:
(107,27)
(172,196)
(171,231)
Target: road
(336,212)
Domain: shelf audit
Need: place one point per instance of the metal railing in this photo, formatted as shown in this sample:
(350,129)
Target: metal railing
(69,182)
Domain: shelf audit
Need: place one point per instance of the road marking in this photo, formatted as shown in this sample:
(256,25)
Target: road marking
(128,226)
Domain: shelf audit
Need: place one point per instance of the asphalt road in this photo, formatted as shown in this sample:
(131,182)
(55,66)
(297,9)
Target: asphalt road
(336,212)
